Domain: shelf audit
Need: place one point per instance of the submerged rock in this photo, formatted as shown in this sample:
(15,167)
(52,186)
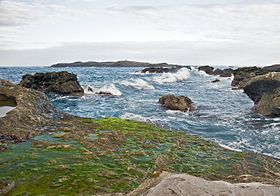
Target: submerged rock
(173,102)
(160,70)
(63,83)
(185,184)
(264,90)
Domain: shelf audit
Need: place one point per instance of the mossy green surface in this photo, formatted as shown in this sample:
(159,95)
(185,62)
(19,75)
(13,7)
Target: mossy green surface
(118,155)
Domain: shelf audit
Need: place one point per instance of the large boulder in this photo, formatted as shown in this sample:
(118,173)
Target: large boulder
(185,184)
(264,90)
(173,102)
(160,70)
(63,83)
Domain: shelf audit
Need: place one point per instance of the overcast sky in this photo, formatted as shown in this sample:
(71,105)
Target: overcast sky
(217,32)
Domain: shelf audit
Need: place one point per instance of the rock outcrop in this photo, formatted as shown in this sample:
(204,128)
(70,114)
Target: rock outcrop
(63,83)
(244,74)
(264,90)
(33,114)
(184,184)
(173,102)
(33,111)
(160,70)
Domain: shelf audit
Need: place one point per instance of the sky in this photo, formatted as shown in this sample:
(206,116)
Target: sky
(188,32)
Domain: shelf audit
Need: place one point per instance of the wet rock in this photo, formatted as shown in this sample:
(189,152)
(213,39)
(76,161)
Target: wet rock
(207,69)
(264,90)
(33,111)
(215,81)
(184,184)
(181,103)
(63,83)
(160,70)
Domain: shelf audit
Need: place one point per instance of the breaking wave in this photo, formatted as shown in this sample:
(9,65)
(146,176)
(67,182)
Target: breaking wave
(110,89)
(180,75)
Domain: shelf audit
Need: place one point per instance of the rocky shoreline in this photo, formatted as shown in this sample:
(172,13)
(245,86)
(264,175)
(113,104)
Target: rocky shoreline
(49,152)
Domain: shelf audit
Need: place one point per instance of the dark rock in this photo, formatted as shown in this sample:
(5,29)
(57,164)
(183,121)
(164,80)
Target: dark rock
(181,103)
(159,70)
(63,83)
(264,90)
(215,81)
(243,75)
(207,69)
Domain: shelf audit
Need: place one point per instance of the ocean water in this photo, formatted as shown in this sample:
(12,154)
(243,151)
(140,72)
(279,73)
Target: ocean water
(222,115)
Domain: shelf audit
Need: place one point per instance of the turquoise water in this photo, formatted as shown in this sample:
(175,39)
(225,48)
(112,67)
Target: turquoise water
(222,115)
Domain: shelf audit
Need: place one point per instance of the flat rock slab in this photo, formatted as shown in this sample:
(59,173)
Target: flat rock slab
(184,184)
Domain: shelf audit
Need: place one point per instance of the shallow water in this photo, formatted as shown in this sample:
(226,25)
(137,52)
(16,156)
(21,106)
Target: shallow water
(222,115)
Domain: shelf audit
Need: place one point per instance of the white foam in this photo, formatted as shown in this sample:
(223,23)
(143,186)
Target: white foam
(107,89)
(181,74)
(137,83)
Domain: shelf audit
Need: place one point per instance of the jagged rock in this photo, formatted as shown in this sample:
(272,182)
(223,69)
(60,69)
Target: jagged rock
(264,90)
(185,184)
(63,83)
(181,103)
(159,70)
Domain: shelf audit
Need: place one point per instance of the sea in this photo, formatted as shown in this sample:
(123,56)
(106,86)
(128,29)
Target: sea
(222,115)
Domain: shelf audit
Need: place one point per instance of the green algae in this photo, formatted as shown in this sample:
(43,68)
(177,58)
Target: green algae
(118,156)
